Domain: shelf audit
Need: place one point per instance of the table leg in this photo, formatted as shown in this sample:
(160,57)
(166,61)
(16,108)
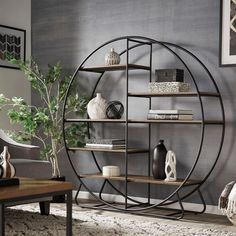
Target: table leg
(69,214)
(44,208)
(2,221)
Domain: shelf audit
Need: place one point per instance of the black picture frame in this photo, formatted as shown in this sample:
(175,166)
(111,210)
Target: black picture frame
(12,40)
(227,33)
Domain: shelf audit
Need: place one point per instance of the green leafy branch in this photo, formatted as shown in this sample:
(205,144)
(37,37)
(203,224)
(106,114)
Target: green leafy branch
(44,122)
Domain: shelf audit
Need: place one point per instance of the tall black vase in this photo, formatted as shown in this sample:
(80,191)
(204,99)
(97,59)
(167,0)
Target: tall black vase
(158,161)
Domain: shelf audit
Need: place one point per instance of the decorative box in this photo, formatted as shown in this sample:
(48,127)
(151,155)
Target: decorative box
(169,75)
(110,171)
(168,87)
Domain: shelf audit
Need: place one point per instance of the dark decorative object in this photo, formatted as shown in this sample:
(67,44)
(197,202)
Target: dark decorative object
(158,162)
(12,41)
(115,110)
(169,75)
(8,169)
(59,198)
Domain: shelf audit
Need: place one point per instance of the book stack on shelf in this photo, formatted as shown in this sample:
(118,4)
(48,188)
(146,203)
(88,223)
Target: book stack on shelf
(106,143)
(170,115)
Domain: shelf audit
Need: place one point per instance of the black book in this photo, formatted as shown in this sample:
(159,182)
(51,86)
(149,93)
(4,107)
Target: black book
(9,181)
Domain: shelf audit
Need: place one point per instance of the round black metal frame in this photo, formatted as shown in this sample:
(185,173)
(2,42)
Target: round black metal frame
(140,207)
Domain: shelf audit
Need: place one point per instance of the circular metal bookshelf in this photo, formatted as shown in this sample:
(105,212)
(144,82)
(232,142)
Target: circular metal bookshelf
(133,42)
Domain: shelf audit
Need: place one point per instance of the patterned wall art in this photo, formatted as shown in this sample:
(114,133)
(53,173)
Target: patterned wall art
(228,33)
(13,41)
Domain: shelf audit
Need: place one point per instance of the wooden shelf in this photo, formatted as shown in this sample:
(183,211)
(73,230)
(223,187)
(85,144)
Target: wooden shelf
(209,122)
(130,150)
(141,179)
(114,68)
(216,122)
(151,180)
(96,120)
(100,176)
(180,94)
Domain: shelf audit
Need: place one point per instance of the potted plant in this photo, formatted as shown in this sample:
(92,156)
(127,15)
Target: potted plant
(44,122)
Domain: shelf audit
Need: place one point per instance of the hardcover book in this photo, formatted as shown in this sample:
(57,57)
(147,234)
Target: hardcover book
(105,141)
(108,146)
(153,116)
(174,111)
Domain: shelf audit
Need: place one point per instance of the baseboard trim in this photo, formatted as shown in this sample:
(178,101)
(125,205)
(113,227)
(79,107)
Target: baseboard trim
(211,209)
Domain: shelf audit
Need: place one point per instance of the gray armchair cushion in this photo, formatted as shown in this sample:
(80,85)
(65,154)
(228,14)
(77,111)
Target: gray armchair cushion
(32,168)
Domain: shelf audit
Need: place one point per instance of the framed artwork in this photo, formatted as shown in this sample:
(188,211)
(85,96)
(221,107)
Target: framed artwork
(12,41)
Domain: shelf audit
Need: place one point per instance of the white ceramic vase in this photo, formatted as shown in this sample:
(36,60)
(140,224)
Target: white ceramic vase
(96,107)
(112,58)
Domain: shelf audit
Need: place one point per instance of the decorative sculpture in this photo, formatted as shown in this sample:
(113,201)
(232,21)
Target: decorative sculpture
(227,202)
(8,169)
(115,110)
(170,166)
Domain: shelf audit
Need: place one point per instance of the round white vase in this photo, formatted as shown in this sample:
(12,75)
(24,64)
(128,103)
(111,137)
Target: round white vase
(96,107)
(112,58)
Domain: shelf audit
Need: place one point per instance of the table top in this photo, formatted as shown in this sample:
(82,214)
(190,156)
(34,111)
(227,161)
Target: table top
(33,187)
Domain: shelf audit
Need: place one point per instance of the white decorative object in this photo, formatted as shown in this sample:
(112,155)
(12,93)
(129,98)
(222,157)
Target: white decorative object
(168,87)
(110,171)
(8,169)
(112,58)
(232,218)
(170,166)
(96,107)
(227,201)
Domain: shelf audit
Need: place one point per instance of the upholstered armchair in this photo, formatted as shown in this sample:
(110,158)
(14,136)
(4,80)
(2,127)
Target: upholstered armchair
(25,159)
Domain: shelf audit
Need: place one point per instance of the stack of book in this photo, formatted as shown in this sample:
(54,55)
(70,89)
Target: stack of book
(106,143)
(170,115)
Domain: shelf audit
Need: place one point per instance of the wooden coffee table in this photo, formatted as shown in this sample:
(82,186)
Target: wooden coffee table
(30,189)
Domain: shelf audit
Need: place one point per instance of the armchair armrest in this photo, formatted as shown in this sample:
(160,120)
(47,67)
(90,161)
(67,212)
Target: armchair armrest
(18,150)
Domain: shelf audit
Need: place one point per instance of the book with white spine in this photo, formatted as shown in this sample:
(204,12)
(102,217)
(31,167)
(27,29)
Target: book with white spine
(173,111)
(153,116)
(108,146)
(105,141)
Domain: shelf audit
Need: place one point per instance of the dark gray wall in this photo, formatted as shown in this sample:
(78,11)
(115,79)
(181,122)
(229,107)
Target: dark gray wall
(68,30)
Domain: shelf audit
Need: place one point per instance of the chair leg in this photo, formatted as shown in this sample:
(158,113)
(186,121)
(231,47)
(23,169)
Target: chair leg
(44,207)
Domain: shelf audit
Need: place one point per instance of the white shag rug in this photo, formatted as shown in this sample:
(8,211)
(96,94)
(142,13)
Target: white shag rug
(26,220)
